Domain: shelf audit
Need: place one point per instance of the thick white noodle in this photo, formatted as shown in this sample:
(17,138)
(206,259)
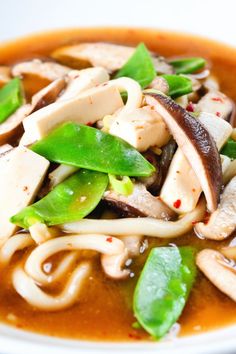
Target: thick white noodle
(113,264)
(60,174)
(63,267)
(41,232)
(14,244)
(139,226)
(134,91)
(29,290)
(21,241)
(132,243)
(99,243)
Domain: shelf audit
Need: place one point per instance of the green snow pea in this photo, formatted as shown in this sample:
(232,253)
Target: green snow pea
(229,149)
(139,67)
(11,98)
(83,146)
(178,85)
(69,201)
(188,65)
(163,288)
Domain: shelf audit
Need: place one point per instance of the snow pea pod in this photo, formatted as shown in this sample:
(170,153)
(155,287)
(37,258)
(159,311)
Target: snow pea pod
(69,201)
(229,149)
(178,85)
(83,146)
(139,67)
(188,65)
(11,98)
(163,288)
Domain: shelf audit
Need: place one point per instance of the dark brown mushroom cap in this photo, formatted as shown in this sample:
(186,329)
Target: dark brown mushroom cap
(196,143)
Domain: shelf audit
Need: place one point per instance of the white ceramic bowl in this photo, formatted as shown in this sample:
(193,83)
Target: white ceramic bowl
(210,18)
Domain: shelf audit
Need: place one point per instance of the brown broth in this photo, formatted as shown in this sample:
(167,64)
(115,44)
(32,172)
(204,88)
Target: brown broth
(104,309)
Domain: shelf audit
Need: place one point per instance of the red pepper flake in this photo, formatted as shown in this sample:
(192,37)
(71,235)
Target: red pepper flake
(194,222)
(25,188)
(206,218)
(217,99)
(218,114)
(109,239)
(190,107)
(177,203)
(89,124)
(193,190)
(134,336)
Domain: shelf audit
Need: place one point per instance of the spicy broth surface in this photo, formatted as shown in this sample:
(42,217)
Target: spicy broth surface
(104,309)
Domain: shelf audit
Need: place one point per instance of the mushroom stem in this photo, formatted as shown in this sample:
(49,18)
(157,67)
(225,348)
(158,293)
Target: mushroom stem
(213,264)
(223,221)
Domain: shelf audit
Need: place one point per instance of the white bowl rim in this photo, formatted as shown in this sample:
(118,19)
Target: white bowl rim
(17,341)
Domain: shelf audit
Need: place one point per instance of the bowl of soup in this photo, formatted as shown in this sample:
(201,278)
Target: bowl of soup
(117,184)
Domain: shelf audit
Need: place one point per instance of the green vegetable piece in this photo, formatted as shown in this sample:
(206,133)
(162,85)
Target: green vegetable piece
(69,201)
(178,85)
(121,185)
(229,149)
(11,98)
(83,146)
(139,67)
(163,288)
(188,65)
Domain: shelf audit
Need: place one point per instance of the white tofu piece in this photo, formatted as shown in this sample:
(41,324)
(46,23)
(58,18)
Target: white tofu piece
(181,182)
(215,102)
(86,108)
(82,80)
(141,128)
(22,173)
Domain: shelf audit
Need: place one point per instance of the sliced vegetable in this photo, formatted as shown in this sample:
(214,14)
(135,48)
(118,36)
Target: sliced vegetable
(139,67)
(83,146)
(229,149)
(121,185)
(163,288)
(178,85)
(11,98)
(196,143)
(70,200)
(188,65)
